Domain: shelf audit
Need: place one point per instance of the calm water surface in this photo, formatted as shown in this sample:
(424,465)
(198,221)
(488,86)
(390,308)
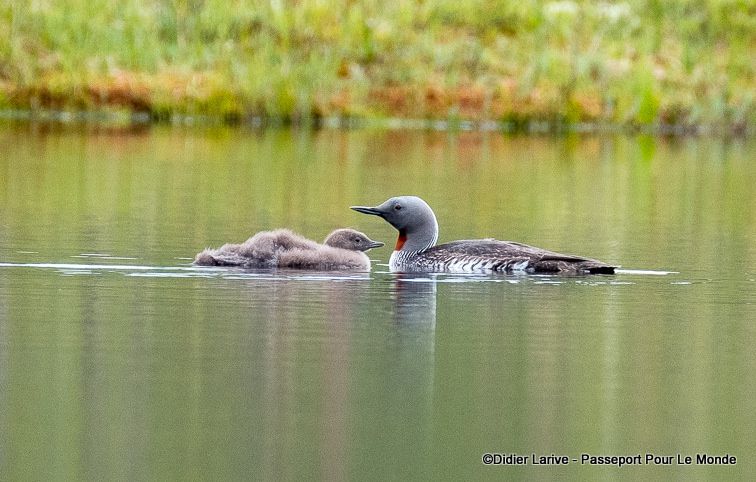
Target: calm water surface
(120,361)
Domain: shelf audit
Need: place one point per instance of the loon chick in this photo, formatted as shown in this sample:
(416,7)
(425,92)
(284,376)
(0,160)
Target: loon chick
(416,248)
(343,249)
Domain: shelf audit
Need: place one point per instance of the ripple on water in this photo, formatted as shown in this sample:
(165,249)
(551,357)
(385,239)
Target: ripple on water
(143,271)
(231,273)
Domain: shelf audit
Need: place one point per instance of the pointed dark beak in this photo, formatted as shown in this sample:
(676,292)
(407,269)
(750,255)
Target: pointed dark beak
(367,210)
(374,244)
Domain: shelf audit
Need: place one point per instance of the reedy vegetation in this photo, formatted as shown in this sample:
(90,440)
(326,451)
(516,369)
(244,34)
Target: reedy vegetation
(635,62)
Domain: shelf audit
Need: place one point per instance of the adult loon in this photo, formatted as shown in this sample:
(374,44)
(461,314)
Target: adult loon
(416,248)
(343,249)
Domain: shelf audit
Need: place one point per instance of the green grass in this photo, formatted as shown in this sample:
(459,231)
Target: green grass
(639,62)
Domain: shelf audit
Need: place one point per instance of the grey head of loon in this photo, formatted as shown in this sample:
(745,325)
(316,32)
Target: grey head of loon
(351,239)
(412,217)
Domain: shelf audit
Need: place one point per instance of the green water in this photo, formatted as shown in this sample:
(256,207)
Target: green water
(118,361)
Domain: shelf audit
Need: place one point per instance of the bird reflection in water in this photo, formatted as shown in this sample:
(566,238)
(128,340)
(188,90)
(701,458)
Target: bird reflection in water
(413,367)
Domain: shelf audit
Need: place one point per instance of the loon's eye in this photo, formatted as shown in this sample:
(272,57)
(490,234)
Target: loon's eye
(398,207)
(357,240)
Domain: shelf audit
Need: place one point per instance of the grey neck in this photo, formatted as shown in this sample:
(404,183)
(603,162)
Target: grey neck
(421,237)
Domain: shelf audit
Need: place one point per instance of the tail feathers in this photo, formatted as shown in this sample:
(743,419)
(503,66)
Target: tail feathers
(603,269)
(205,258)
(219,257)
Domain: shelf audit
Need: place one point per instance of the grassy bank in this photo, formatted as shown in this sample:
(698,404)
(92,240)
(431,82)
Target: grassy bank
(639,62)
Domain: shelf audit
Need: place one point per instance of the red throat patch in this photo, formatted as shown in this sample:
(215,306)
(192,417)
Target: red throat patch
(400,241)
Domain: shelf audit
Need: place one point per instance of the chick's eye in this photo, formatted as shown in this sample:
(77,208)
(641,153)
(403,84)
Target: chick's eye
(357,240)
(398,207)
